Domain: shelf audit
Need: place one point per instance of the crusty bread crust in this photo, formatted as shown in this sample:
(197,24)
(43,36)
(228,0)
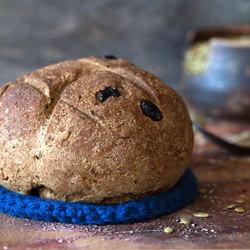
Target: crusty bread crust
(58,141)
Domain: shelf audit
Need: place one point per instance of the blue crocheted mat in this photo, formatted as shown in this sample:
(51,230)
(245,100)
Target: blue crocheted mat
(28,206)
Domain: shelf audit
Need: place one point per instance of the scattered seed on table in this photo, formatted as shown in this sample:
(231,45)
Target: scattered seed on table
(202,190)
(185,221)
(231,206)
(168,230)
(201,215)
(240,210)
(240,201)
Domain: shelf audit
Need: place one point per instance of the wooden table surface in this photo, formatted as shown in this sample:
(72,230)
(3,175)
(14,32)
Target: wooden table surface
(222,179)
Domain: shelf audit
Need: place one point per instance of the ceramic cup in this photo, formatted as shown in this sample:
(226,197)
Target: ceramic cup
(216,72)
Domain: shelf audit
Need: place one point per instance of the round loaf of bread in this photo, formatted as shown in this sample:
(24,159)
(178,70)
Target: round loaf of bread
(92,130)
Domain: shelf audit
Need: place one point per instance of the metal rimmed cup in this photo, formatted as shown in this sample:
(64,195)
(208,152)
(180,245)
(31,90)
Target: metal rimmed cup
(216,72)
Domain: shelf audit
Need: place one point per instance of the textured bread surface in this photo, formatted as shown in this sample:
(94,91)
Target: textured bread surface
(58,141)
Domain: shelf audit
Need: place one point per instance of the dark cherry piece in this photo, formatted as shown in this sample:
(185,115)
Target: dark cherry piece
(103,95)
(108,57)
(151,110)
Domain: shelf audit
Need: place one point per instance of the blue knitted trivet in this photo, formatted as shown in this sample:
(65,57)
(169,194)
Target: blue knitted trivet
(28,206)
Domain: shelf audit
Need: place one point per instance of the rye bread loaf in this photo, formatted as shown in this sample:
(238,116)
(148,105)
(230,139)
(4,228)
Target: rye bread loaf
(92,130)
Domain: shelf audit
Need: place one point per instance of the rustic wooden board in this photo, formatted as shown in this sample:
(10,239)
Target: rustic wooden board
(226,178)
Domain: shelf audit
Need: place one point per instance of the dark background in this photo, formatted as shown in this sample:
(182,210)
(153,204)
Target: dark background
(150,33)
